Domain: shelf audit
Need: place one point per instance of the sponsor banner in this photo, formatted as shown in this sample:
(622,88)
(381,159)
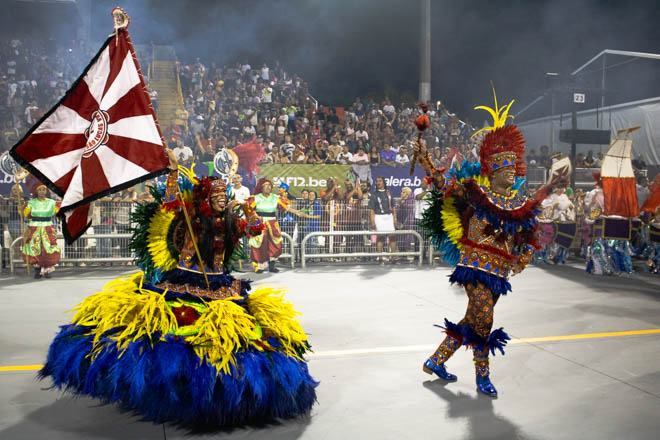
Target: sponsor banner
(6,182)
(396,178)
(299,177)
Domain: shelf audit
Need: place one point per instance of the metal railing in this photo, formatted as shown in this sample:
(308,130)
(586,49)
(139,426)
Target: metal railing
(345,234)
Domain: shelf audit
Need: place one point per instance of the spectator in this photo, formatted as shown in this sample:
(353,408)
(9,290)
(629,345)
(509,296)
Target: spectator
(287,147)
(388,156)
(643,190)
(402,158)
(360,158)
(545,159)
(382,217)
(345,157)
(332,195)
(239,192)
(590,160)
(299,156)
(183,153)
(639,163)
(405,215)
(350,215)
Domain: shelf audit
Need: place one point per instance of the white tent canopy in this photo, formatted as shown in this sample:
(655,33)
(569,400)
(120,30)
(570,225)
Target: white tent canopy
(646,141)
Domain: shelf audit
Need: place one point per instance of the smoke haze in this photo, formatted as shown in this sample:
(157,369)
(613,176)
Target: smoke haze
(349,48)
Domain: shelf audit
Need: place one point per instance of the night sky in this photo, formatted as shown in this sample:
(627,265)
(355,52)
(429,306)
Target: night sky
(349,48)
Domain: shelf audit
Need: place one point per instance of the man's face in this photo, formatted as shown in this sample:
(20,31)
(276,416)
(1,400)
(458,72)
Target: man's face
(504,177)
(304,195)
(380,183)
(282,190)
(349,186)
(236,180)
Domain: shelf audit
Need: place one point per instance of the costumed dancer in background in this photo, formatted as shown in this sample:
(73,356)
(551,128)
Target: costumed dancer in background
(546,232)
(267,247)
(651,207)
(184,341)
(605,256)
(563,211)
(40,248)
(488,231)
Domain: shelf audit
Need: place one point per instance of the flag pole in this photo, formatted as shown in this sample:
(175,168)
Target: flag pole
(192,237)
(173,181)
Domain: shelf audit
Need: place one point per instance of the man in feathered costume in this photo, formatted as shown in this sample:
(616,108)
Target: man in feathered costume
(487,230)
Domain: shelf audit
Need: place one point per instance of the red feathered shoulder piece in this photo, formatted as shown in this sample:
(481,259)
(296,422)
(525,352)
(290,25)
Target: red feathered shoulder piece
(502,140)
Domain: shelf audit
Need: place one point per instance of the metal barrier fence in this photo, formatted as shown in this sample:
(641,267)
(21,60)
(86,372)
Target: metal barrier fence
(313,231)
(368,251)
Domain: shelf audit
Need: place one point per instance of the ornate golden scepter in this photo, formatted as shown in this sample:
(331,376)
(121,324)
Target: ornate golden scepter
(422,122)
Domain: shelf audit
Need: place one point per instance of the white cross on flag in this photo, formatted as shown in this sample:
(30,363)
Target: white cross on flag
(100,138)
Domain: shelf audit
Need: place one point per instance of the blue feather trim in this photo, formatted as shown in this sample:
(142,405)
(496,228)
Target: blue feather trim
(465,275)
(166,382)
(464,333)
(509,227)
(467,171)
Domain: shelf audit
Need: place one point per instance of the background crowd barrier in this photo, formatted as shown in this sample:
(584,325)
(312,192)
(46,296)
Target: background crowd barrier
(313,232)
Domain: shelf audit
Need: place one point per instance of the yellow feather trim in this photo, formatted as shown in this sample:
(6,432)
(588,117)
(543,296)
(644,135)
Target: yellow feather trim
(125,305)
(157,240)
(451,222)
(278,317)
(223,329)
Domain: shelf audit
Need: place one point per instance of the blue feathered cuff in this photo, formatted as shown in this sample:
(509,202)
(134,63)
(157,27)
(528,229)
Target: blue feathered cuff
(465,334)
(468,276)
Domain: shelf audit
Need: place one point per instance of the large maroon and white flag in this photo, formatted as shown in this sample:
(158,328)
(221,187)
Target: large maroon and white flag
(100,138)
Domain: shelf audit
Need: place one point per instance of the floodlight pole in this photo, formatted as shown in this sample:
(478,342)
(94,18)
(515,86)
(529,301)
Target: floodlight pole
(425,51)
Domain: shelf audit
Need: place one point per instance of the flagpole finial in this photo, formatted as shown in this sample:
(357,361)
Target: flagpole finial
(120,18)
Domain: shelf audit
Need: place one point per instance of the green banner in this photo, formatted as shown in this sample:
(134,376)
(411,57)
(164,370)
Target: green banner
(299,177)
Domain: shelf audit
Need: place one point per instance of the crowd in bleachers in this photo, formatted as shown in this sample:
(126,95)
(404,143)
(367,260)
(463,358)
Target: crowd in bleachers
(227,106)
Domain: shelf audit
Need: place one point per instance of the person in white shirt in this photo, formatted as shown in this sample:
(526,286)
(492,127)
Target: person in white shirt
(402,158)
(182,153)
(362,134)
(345,157)
(265,73)
(238,191)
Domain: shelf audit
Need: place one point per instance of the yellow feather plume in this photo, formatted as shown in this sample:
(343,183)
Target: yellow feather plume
(499,114)
(189,173)
(123,304)
(223,329)
(278,317)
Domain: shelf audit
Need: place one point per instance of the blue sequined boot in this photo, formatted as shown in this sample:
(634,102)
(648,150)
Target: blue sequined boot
(435,364)
(482,370)
(439,369)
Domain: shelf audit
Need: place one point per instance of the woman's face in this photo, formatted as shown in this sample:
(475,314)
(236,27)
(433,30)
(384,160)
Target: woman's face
(304,195)
(312,196)
(42,192)
(267,188)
